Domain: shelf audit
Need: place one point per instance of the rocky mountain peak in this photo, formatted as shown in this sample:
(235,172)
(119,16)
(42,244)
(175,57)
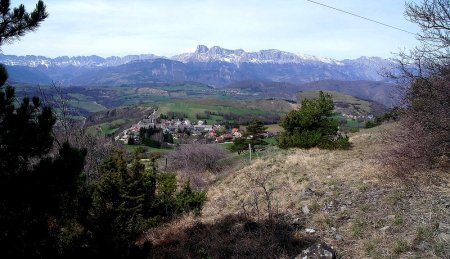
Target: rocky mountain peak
(238,56)
(201,49)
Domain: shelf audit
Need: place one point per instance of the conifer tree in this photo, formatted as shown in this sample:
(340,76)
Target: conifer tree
(253,137)
(312,125)
(38,188)
(129,199)
(15,23)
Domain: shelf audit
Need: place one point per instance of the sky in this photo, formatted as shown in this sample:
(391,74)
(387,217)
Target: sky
(169,27)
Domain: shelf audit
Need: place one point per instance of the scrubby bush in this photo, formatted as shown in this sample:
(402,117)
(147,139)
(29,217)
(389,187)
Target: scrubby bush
(372,124)
(194,158)
(339,142)
(312,125)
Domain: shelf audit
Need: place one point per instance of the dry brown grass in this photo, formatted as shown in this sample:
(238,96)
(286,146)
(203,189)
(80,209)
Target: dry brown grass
(376,214)
(232,236)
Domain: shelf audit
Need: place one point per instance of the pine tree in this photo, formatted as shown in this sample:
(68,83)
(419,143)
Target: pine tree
(312,125)
(129,199)
(255,128)
(14,24)
(38,189)
(253,137)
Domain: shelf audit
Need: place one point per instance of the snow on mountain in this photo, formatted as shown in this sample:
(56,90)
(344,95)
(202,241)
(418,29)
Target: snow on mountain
(238,56)
(203,54)
(78,61)
(214,66)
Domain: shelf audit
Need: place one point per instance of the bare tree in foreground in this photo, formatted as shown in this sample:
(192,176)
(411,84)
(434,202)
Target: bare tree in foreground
(71,130)
(423,141)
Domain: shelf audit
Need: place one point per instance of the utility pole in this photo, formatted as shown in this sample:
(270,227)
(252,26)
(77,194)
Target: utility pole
(165,168)
(250,150)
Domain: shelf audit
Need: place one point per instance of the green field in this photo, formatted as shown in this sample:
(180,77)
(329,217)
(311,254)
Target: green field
(85,103)
(198,98)
(192,107)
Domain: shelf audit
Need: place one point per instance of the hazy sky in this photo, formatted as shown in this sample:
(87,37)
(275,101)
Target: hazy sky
(169,27)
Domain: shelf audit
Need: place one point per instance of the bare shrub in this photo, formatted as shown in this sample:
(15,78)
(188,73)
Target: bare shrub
(423,139)
(98,148)
(68,129)
(200,164)
(263,203)
(197,158)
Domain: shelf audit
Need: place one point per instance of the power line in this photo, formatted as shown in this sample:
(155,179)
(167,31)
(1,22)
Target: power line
(361,17)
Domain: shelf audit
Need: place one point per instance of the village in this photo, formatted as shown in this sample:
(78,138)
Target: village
(179,129)
(358,117)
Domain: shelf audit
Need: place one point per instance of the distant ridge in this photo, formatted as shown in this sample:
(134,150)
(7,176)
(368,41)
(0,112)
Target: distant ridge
(78,61)
(213,66)
(201,54)
(216,53)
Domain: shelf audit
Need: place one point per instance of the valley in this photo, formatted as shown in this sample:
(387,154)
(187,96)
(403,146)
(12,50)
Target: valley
(257,150)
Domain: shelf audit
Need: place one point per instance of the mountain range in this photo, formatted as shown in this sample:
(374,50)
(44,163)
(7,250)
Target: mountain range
(214,66)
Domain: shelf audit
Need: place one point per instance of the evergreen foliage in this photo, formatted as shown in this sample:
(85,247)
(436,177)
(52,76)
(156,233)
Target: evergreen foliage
(255,128)
(120,200)
(253,137)
(239,145)
(38,188)
(14,24)
(126,200)
(312,125)
(154,137)
(151,136)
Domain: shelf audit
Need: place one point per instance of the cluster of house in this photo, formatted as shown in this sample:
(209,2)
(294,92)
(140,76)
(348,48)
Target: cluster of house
(215,132)
(355,117)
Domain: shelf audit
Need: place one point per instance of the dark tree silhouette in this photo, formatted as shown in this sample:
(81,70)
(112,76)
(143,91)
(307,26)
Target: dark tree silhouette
(15,23)
(38,187)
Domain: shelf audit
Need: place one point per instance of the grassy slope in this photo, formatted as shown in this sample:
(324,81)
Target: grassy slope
(85,102)
(375,214)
